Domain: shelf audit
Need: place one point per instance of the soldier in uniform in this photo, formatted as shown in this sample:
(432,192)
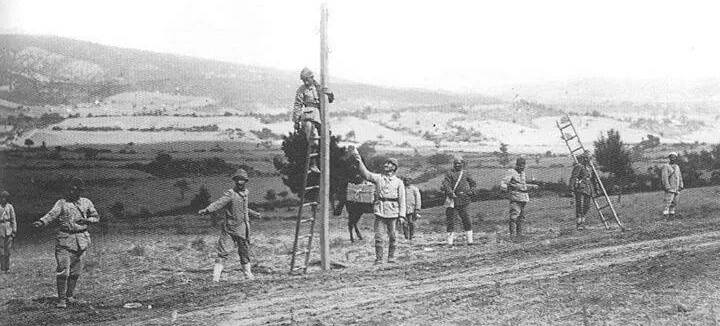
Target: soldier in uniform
(413,203)
(8,229)
(672,182)
(583,187)
(389,203)
(514,183)
(236,229)
(306,109)
(73,215)
(458,186)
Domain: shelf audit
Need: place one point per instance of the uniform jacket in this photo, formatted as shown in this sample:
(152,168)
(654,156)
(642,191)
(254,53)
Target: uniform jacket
(389,196)
(581,180)
(8,224)
(237,212)
(71,235)
(413,202)
(465,187)
(514,183)
(307,103)
(671,177)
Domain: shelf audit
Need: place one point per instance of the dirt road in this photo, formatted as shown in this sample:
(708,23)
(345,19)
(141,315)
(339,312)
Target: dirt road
(410,292)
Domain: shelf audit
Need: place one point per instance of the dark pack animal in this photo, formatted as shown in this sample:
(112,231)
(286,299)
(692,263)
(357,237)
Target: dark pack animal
(355,209)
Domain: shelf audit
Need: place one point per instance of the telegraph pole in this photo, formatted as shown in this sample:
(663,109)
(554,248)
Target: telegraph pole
(324,145)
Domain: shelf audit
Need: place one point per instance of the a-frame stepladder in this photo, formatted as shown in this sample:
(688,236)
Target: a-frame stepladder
(314,194)
(602,202)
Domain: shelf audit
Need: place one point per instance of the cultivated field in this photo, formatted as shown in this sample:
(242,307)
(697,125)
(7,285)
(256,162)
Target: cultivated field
(657,272)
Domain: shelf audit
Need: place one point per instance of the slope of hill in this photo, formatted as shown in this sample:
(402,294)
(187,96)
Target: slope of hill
(53,70)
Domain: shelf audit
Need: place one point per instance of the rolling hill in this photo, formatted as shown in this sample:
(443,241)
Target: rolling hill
(40,70)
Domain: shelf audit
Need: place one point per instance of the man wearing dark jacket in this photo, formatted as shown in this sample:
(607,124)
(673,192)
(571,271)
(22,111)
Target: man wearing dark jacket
(458,186)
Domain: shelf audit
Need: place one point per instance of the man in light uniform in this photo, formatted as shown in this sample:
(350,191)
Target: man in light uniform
(458,186)
(413,203)
(514,183)
(672,182)
(306,109)
(236,229)
(73,214)
(389,203)
(8,229)
(583,187)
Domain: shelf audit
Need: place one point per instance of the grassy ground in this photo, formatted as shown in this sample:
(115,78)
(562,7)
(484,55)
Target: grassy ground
(657,272)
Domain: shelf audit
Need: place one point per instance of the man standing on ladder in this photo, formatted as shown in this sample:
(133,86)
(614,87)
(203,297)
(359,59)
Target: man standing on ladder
(306,110)
(389,203)
(582,185)
(673,183)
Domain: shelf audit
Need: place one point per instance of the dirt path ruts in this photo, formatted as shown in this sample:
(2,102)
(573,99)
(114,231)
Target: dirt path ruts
(309,299)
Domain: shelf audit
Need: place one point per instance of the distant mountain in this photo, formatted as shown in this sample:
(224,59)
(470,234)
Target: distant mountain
(608,90)
(37,70)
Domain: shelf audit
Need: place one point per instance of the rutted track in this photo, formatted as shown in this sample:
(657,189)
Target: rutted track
(324,297)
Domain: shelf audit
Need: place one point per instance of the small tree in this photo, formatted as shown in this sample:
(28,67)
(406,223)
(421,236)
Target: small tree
(367,149)
(201,200)
(612,156)
(439,159)
(184,186)
(29,142)
(270,195)
(283,194)
(292,165)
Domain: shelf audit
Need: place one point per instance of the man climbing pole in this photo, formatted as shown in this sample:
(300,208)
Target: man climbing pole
(306,109)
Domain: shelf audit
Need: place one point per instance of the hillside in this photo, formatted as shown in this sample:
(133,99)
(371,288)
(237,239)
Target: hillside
(38,70)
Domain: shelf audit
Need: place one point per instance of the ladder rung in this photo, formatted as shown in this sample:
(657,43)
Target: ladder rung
(570,138)
(316,138)
(565,126)
(300,252)
(313,155)
(312,187)
(307,220)
(312,203)
(296,268)
(603,206)
(577,149)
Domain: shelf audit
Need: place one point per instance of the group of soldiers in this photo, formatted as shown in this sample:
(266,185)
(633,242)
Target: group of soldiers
(395,200)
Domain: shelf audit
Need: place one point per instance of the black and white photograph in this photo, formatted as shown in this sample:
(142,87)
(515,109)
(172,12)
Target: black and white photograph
(330,162)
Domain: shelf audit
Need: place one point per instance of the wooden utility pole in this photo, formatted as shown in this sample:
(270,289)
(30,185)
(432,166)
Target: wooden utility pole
(324,145)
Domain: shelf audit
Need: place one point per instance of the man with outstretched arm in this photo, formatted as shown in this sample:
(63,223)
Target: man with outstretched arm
(517,188)
(672,182)
(236,226)
(389,203)
(73,214)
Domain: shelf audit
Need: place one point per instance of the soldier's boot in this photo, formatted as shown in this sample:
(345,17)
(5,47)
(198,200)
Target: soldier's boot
(512,228)
(451,238)
(3,264)
(378,255)
(411,229)
(71,283)
(391,254)
(666,213)
(469,236)
(248,273)
(6,261)
(217,271)
(61,283)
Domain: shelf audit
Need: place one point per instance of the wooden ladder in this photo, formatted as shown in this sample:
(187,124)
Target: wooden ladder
(302,245)
(569,135)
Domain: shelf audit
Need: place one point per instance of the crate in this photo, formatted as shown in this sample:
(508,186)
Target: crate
(361,193)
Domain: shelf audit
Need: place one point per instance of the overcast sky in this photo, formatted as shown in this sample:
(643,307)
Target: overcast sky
(453,45)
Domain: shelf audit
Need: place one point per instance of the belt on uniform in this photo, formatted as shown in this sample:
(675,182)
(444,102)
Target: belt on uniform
(388,199)
(73,232)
